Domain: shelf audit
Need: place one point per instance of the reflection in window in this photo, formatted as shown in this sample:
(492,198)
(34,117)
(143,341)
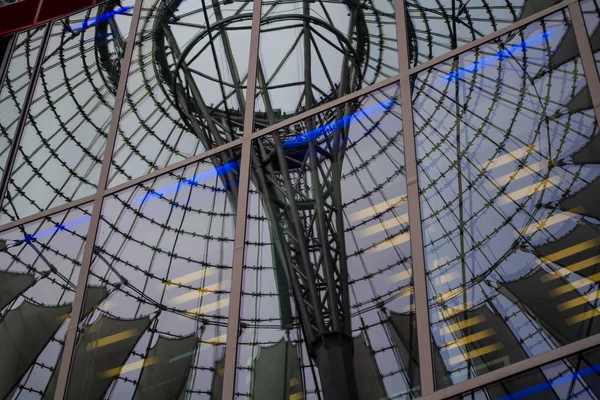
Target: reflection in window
(60,154)
(313,52)
(327,262)
(575,377)
(38,276)
(591,15)
(508,182)
(163,254)
(437,27)
(187,84)
(14,88)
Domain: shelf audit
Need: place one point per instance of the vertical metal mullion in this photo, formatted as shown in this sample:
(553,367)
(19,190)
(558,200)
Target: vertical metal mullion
(587,56)
(414,206)
(231,345)
(88,251)
(5,62)
(16,142)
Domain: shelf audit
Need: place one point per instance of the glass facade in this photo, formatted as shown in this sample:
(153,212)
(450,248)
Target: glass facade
(288,200)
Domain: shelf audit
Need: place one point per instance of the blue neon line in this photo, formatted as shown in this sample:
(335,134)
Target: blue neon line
(66,226)
(334,126)
(500,56)
(234,165)
(89,23)
(192,182)
(542,387)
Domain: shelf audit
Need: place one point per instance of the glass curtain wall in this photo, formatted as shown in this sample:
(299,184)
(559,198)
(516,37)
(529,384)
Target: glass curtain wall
(214,200)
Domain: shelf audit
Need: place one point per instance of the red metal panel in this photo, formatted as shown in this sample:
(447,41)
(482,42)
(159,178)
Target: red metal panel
(55,8)
(29,13)
(18,16)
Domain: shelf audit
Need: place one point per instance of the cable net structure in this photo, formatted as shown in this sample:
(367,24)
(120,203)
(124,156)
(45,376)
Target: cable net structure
(507,154)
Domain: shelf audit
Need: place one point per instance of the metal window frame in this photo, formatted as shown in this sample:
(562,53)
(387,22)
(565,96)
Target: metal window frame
(90,242)
(417,249)
(5,61)
(237,275)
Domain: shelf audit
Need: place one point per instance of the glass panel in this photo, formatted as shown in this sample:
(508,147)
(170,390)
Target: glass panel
(187,84)
(327,261)
(312,52)
(161,276)
(436,27)
(14,89)
(508,178)
(570,378)
(591,15)
(39,271)
(60,154)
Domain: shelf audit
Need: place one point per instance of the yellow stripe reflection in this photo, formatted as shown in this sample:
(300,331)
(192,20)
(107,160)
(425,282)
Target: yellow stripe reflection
(578,284)
(588,298)
(128,367)
(297,396)
(382,226)
(294,382)
(475,353)
(450,311)
(555,219)
(377,208)
(521,173)
(196,294)
(117,337)
(462,325)
(469,339)
(445,278)
(583,316)
(405,292)
(217,339)
(182,280)
(526,191)
(588,262)
(399,277)
(448,295)
(210,307)
(507,158)
(392,242)
(569,251)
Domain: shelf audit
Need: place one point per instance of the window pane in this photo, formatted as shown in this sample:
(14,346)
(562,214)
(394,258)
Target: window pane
(508,186)
(38,276)
(187,84)
(161,276)
(436,27)
(60,154)
(571,378)
(312,52)
(591,15)
(329,194)
(14,88)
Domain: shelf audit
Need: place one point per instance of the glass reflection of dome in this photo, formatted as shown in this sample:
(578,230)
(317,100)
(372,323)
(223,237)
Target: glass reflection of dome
(504,175)
(171,101)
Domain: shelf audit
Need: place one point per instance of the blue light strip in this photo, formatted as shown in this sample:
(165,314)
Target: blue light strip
(542,387)
(192,182)
(234,165)
(89,23)
(331,127)
(66,226)
(491,60)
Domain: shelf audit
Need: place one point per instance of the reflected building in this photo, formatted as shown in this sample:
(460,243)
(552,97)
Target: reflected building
(359,200)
